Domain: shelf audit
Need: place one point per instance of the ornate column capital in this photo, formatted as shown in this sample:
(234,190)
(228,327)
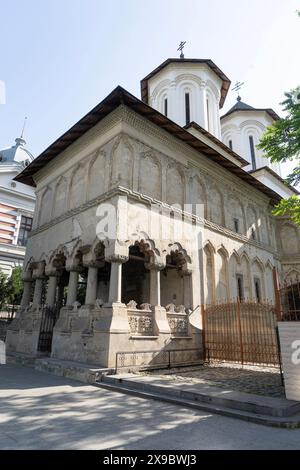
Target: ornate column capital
(116,258)
(50,270)
(39,270)
(27,276)
(156,265)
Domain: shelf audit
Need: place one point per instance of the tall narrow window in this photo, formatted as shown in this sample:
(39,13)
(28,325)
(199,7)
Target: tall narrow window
(257,289)
(208,116)
(25,228)
(187,109)
(236,225)
(252,152)
(165,107)
(230,144)
(253,234)
(240,286)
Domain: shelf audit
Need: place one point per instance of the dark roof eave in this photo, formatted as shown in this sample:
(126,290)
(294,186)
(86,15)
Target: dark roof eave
(269,111)
(217,141)
(120,96)
(278,177)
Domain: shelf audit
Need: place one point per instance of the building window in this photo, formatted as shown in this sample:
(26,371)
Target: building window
(257,289)
(253,234)
(25,228)
(187,109)
(236,225)
(165,107)
(240,286)
(208,115)
(230,144)
(252,152)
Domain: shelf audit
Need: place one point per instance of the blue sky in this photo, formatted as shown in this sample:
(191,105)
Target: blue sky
(59,58)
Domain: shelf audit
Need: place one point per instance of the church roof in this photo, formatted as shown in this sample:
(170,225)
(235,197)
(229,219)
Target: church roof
(241,106)
(16,154)
(118,97)
(225,85)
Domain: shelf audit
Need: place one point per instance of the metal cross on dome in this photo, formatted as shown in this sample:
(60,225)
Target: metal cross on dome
(180,48)
(237,87)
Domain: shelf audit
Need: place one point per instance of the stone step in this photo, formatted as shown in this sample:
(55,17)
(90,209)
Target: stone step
(279,415)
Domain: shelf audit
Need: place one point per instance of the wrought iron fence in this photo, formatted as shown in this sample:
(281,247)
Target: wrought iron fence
(242,332)
(158,359)
(289,300)
(49,318)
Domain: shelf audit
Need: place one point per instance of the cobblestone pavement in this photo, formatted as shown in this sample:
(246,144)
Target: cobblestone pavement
(249,379)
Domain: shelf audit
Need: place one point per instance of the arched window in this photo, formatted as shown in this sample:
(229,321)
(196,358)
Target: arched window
(230,144)
(187,109)
(166,106)
(252,152)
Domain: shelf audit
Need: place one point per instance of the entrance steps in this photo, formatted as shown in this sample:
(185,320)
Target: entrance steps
(87,373)
(269,411)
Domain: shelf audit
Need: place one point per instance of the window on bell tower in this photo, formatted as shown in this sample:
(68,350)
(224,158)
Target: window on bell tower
(166,107)
(252,152)
(187,109)
(230,144)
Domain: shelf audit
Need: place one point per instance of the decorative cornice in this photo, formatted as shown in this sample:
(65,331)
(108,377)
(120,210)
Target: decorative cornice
(119,190)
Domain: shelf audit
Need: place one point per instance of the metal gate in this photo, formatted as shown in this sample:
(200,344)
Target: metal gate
(49,318)
(242,332)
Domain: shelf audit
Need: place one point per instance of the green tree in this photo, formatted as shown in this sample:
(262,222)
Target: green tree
(281,143)
(14,287)
(3,289)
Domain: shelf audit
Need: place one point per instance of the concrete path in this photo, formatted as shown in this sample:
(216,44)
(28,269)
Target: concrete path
(41,411)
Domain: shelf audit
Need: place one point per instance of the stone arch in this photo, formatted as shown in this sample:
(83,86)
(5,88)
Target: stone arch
(216,206)
(122,162)
(150,175)
(236,212)
(258,275)
(209,272)
(175,183)
(60,202)
(77,191)
(97,175)
(234,270)
(222,274)
(46,206)
(252,223)
(289,237)
(292,276)
(197,196)
(160,88)
(270,294)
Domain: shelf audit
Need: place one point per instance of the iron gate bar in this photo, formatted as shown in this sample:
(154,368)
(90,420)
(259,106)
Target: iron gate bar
(242,332)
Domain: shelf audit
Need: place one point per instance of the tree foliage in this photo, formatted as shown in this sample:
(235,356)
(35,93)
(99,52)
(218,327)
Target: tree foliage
(11,288)
(281,143)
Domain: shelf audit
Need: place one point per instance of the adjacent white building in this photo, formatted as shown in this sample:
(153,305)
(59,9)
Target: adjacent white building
(17,202)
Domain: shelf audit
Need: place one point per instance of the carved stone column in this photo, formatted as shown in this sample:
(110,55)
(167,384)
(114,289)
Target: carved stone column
(51,290)
(72,287)
(91,287)
(115,284)
(27,280)
(38,275)
(160,315)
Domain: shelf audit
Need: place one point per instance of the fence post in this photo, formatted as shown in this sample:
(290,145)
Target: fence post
(238,311)
(278,306)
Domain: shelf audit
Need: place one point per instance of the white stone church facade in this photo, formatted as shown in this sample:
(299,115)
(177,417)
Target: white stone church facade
(155,162)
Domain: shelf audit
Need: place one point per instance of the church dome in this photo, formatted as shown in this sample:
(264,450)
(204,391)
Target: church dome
(187,90)
(17,154)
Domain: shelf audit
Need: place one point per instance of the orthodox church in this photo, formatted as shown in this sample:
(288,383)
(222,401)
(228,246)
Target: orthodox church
(150,163)
(17,202)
